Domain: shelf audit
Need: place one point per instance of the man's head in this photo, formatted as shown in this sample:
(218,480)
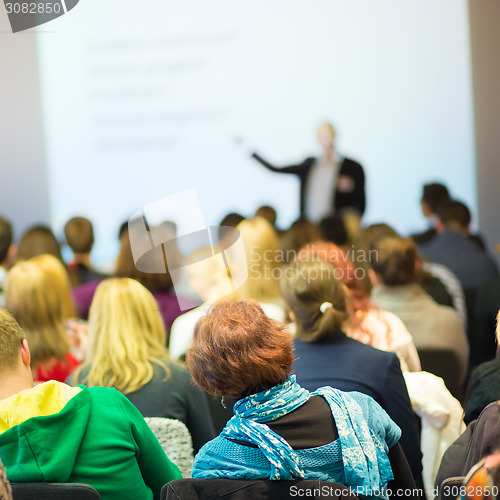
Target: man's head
(79,235)
(326,136)
(432,197)
(454,215)
(5,239)
(15,371)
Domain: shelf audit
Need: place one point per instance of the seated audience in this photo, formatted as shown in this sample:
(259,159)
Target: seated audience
(33,295)
(281,431)
(79,235)
(366,322)
(432,196)
(127,351)
(56,433)
(5,251)
(159,284)
(454,248)
(484,385)
(437,280)
(430,324)
(326,356)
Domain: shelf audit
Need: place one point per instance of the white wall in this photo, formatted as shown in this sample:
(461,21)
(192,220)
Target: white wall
(24,196)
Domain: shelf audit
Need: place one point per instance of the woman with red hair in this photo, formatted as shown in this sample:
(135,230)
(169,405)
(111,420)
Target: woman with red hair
(279,429)
(366,322)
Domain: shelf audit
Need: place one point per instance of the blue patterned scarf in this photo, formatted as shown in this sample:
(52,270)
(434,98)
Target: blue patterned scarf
(365,460)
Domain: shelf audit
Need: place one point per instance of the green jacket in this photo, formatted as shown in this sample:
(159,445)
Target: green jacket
(98,438)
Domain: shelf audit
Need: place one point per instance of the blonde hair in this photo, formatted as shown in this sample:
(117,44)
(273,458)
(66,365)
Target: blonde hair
(59,276)
(262,259)
(126,337)
(33,297)
(10,340)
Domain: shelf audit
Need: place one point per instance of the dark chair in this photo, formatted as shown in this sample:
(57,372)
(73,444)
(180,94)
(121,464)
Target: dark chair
(445,364)
(261,489)
(53,491)
(450,488)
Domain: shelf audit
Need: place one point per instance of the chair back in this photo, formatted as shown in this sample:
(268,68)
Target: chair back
(450,488)
(260,489)
(445,364)
(53,491)
(175,440)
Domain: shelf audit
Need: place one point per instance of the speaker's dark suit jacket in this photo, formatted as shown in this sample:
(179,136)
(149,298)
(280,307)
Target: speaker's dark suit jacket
(349,365)
(354,199)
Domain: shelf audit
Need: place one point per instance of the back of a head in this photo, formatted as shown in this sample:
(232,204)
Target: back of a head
(395,262)
(370,235)
(345,270)
(5,239)
(126,333)
(11,337)
(316,296)
(32,295)
(126,266)
(261,248)
(268,213)
(237,350)
(300,233)
(453,212)
(228,222)
(79,235)
(59,278)
(434,195)
(332,229)
(38,240)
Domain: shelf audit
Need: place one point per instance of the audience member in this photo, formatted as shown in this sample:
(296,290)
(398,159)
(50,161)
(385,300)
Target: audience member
(76,329)
(5,250)
(432,196)
(484,385)
(55,433)
(327,356)
(33,296)
(438,281)
(127,351)
(280,431)
(260,268)
(300,233)
(79,235)
(38,240)
(268,213)
(430,324)
(487,302)
(366,322)
(208,277)
(332,229)
(454,248)
(229,222)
